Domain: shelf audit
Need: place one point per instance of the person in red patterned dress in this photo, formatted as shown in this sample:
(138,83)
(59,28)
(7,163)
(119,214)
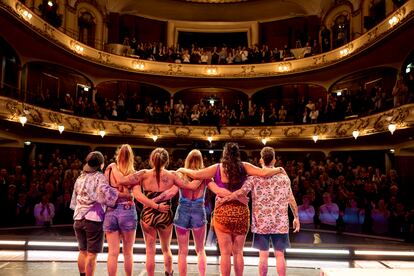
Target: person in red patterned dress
(271,197)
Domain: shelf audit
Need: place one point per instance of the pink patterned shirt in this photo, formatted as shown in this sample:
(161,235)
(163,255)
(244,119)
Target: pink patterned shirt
(270,198)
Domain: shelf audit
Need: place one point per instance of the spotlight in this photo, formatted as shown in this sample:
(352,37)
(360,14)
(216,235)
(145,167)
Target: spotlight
(155,137)
(23,119)
(102,133)
(315,138)
(355,133)
(392,127)
(61,128)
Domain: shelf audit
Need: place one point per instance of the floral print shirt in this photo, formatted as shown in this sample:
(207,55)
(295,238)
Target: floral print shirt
(270,198)
(91,194)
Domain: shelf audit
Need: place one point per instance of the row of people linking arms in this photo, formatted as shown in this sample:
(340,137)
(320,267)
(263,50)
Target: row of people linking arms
(231,180)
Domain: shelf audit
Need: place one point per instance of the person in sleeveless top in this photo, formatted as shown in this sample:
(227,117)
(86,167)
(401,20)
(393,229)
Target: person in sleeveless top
(156,218)
(231,218)
(120,221)
(191,214)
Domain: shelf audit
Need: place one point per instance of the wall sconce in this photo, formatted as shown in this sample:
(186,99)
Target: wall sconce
(154,131)
(23,119)
(138,65)
(27,15)
(61,128)
(155,138)
(393,21)
(102,133)
(355,133)
(315,138)
(392,127)
(346,50)
(76,47)
(50,3)
(211,70)
(264,140)
(210,138)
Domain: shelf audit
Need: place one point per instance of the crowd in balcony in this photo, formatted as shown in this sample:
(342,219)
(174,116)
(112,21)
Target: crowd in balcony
(157,51)
(333,194)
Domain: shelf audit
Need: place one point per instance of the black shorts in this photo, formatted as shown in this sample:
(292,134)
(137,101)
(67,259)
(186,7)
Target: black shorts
(90,235)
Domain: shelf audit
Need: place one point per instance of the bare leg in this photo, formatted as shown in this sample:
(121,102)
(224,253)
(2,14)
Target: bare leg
(150,237)
(165,240)
(238,244)
(113,251)
(226,244)
(183,236)
(128,240)
(82,261)
(90,264)
(263,267)
(280,263)
(199,235)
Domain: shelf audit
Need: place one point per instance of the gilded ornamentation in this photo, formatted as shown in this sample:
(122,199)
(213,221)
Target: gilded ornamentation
(36,115)
(104,57)
(321,129)
(75,123)
(174,69)
(12,108)
(99,125)
(319,59)
(153,130)
(248,69)
(124,128)
(182,131)
(49,30)
(265,132)
(343,128)
(55,117)
(237,133)
(293,131)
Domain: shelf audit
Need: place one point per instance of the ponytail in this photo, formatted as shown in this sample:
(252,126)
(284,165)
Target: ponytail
(158,159)
(157,166)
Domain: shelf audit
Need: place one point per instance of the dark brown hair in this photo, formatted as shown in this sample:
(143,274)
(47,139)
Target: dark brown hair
(232,165)
(159,158)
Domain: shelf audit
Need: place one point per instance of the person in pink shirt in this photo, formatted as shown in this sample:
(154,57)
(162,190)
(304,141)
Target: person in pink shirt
(271,197)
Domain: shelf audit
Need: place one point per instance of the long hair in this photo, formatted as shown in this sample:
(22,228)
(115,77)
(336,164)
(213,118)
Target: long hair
(232,164)
(194,160)
(159,158)
(125,159)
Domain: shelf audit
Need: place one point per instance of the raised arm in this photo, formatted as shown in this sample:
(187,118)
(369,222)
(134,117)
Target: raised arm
(205,173)
(129,180)
(265,172)
(162,207)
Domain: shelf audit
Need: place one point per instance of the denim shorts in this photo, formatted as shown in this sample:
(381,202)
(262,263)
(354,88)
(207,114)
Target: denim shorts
(190,214)
(121,218)
(279,241)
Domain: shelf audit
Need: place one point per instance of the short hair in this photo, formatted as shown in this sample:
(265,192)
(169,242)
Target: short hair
(267,154)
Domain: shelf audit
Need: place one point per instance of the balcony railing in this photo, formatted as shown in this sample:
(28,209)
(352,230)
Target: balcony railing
(391,120)
(209,71)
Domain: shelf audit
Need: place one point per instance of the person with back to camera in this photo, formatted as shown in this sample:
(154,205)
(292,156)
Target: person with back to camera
(271,197)
(91,194)
(231,218)
(191,214)
(156,218)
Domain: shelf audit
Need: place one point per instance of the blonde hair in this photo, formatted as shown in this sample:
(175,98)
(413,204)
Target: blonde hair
(125,159)
(159,158)
(194,160)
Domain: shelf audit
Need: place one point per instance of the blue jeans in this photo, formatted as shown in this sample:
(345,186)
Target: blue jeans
(279,241)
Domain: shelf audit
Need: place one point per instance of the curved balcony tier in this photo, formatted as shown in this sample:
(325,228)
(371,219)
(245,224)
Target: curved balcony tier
(395,21)
(337,134)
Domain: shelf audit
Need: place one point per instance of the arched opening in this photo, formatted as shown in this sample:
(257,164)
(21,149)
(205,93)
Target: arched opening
(287,104)
(9,70)
(131,100)
(341,30)
(362,93)
(87,28)
(57,87)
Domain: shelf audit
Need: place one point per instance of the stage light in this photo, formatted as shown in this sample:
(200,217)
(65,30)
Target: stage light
(12,242)
(383,253)
(155,138)
(211,151)
(392,127)
(209,138)
(102,133)
(315,138)
(23,119)
(355,133)
(318,251)
(61,128)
